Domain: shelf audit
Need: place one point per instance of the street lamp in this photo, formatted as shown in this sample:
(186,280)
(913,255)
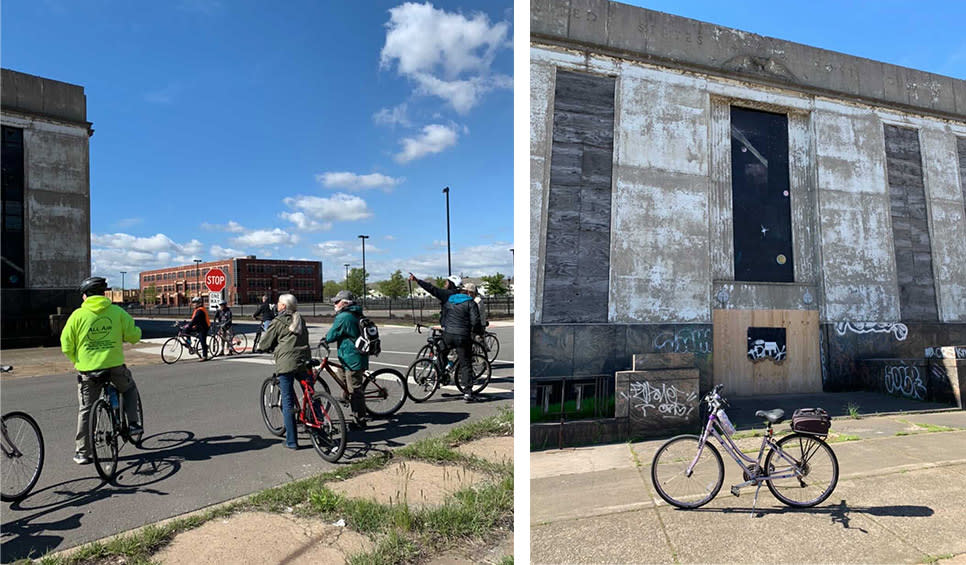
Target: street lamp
(197,276)
(365,289)
(347,276)
(122,284)
(449,261)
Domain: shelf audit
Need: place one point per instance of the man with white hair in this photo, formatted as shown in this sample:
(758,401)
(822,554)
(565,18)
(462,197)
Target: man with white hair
(289,337)
(345,331)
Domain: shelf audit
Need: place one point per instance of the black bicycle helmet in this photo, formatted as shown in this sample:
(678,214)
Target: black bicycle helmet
(93,286)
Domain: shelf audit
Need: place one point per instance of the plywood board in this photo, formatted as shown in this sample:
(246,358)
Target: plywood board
(801,370)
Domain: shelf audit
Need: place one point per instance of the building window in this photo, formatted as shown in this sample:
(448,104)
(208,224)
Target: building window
(761,203)
(13,269)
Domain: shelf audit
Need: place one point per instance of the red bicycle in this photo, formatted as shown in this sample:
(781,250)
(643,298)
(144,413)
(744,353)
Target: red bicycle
(317,411)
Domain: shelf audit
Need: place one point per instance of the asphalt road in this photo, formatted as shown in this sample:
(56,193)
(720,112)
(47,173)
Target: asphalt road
(204,443)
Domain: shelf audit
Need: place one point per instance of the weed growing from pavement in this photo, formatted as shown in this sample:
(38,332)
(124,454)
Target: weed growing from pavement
(402,533)
(929,427)
(853,410)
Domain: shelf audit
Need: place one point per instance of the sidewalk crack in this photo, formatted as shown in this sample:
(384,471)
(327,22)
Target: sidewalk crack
(657,513)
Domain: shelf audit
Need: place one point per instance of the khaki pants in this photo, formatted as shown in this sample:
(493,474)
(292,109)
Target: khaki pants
(357,399)
(88,390)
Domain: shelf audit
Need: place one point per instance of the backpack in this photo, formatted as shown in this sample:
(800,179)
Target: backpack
(368,342)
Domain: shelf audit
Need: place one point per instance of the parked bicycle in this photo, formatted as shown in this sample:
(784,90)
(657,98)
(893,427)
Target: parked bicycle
(109,428)
(224,341)
(425,375)
(23,455)
(317,411)
(492,345)
(800,469)
(384,390)
(174,347)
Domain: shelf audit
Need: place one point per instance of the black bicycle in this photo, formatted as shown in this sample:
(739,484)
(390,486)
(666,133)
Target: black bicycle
(430,369)
(23,455)
(109,428)
(174,347)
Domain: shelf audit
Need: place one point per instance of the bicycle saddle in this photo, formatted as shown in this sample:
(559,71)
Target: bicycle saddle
(773,416)
(314,363)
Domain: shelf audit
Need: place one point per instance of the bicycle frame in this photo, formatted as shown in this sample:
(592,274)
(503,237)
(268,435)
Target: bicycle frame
(308,407)
(753,468)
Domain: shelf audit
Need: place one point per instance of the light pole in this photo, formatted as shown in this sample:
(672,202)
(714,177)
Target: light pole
(365,289)
(347,276)
(322,279)
(197,276)
(122,284)
(449,261)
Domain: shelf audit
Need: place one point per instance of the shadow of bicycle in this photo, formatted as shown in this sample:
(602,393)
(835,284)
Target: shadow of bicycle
(840,513)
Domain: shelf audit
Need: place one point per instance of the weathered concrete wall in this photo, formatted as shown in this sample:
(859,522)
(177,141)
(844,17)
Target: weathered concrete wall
(42,97)
(542,78)
(654,37)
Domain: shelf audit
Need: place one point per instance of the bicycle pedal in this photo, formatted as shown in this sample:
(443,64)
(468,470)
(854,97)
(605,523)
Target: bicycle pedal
(735,491)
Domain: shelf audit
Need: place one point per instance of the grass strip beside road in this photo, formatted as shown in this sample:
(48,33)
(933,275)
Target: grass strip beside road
(401,534)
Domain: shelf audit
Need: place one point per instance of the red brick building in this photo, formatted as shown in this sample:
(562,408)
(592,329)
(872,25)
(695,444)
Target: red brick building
(248,279)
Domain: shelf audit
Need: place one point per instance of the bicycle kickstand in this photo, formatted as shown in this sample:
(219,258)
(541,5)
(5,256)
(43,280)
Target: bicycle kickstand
(754,503)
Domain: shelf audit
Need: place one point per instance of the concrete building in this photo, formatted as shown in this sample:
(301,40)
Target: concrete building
(46,203)
(248,279)
(783,213)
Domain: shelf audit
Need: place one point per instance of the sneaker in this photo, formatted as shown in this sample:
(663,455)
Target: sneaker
(203,359)
(135,430)
(358,423)
(81,459)
(469,398)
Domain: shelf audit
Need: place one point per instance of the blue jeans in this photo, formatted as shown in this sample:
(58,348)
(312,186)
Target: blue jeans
(285,381)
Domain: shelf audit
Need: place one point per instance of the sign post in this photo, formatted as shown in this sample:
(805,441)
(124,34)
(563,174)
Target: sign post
(215,280)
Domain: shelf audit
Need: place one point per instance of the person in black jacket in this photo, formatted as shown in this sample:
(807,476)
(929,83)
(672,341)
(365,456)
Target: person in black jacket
(199,325)
(461,319)
(451,287)
(264,312)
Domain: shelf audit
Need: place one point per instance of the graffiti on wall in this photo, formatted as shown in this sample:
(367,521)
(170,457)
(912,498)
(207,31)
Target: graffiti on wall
(684,341)
(937,353)
(664,400)
(904,380)
(764,343)
(898,331)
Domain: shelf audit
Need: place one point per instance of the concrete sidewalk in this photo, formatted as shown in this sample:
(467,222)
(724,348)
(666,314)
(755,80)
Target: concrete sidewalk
(899,499)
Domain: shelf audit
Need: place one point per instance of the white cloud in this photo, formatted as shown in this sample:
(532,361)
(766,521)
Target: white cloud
(231,227)
(304,223)
(473,261)
(434,139)
(156,243)
(397,115)
(128,222)
(389,237)
(449,55)
(116,252)
(264,238)
(352,181)
(219,252)
(340,207)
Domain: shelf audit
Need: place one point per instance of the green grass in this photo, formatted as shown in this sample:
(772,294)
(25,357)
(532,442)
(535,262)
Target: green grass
(839,438)
(903,433)
(935,558)
(507,560)
(853,410)
(402,534)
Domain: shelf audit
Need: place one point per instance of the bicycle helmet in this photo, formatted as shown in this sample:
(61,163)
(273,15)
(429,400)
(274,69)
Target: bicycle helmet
(92,286)
(455,279)
(196,300)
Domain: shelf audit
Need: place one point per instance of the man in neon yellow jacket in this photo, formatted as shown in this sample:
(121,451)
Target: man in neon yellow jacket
(93,340)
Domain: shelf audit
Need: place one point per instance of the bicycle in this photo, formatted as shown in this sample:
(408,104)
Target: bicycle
(800,469)
(318,412)
(174,347)
(108,424)
(23,455)
(222,340)
(428,371)
(384,390)
(492,345)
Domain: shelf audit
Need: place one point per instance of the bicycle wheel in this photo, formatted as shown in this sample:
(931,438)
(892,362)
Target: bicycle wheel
(271,401)
(426,351)
(171,350)
(482,371)
(669,472)
(23,456)
(385,392)
(422,379)
(815,466)
(238,344)
(492,346)
(215,345)
(103,439)
(136,439)
(326,427)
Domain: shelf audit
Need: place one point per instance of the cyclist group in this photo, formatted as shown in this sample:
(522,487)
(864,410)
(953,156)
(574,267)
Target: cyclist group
(95,333)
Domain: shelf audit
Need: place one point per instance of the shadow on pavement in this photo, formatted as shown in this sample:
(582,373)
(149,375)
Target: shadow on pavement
(160,458)
(839,513)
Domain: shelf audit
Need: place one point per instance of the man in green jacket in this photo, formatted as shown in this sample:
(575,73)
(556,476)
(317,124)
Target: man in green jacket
(93,340)
(289,337)
(345,330)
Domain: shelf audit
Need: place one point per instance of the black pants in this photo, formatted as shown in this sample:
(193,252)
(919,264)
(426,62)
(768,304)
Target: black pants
(464,347)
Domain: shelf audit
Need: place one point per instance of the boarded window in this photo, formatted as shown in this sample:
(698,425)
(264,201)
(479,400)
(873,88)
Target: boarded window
(14,261)
(760,196)
(577,269)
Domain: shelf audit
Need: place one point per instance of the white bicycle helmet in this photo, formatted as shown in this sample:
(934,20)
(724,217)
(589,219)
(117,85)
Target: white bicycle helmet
(455,279)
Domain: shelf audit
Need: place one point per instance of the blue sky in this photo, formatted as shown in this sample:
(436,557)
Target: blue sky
(287,129)
(927,34)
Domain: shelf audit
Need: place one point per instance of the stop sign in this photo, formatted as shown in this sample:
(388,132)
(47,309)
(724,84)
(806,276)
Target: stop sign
(215,280)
